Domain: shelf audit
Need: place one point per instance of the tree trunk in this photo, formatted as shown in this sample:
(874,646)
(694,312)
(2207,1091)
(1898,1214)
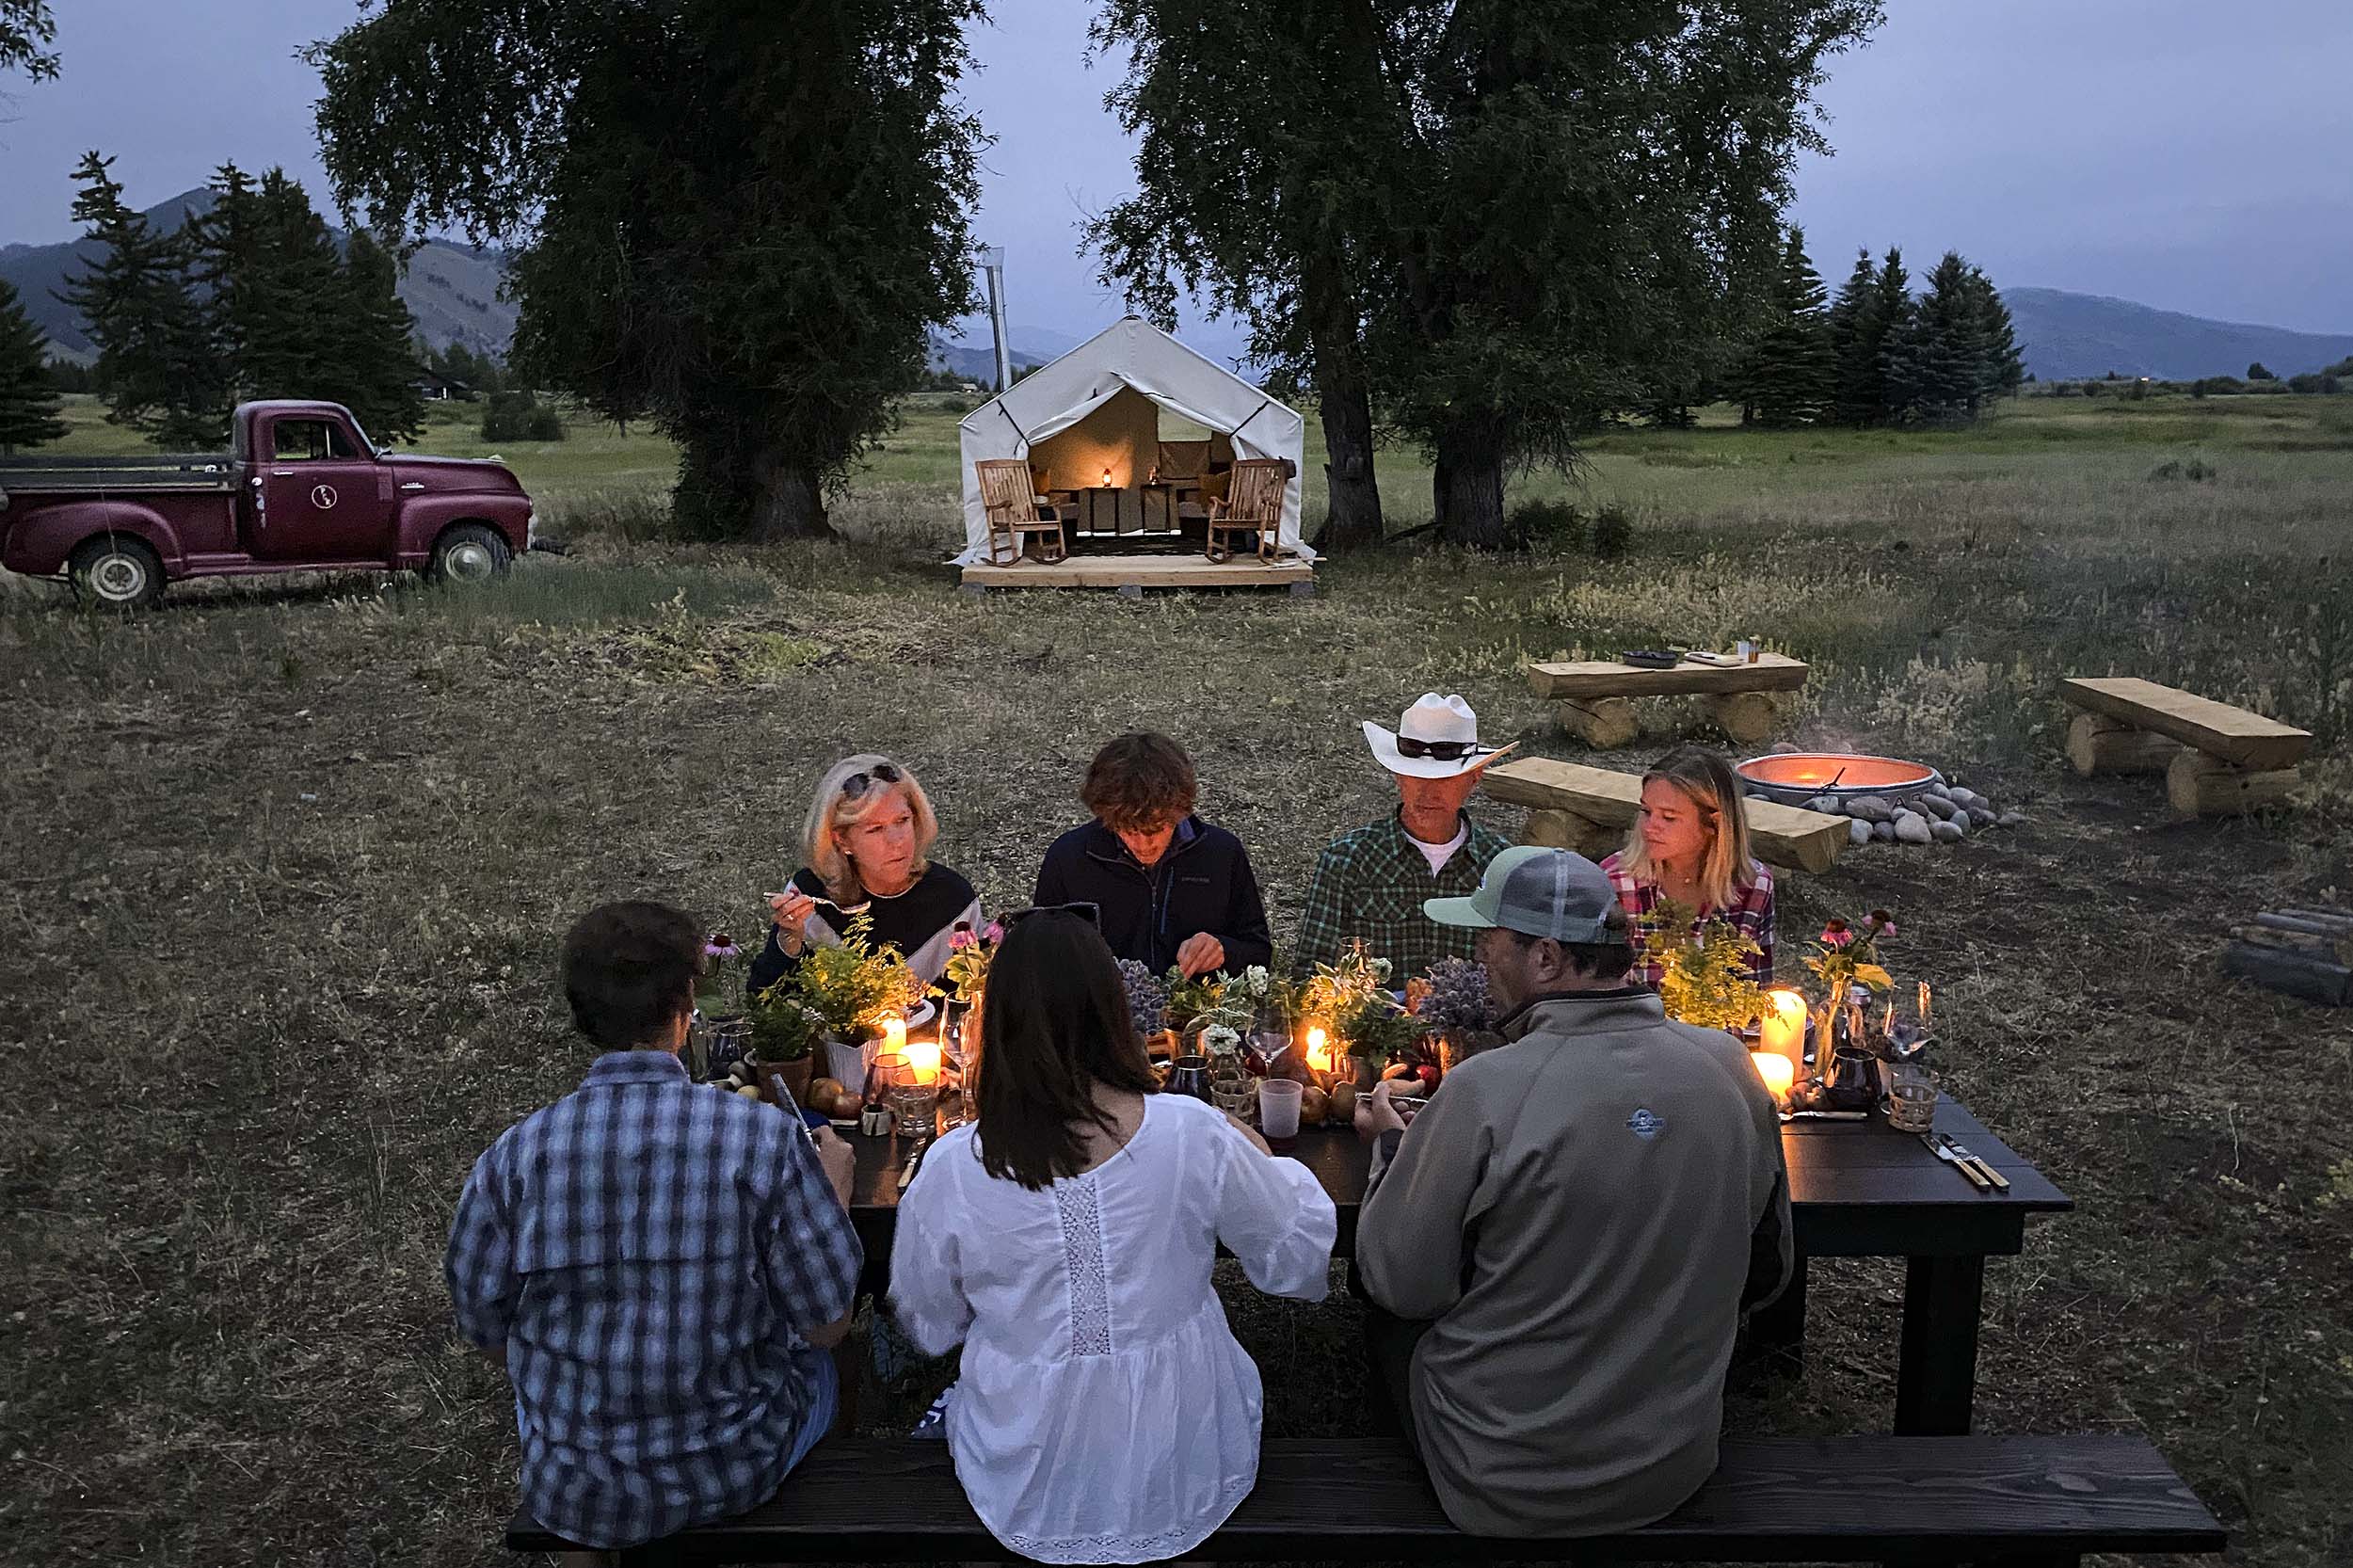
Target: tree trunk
(1466,486)
(1353,518)
(1344,397)
(787,501)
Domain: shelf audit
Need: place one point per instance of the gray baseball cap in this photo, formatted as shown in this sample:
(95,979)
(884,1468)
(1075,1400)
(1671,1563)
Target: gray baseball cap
(1536,892)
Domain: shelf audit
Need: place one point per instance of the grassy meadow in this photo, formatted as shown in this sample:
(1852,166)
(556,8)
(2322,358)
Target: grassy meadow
(291,860)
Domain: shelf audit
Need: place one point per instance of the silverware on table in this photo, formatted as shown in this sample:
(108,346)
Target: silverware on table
(1976,1174)
(907,1173)
(2000,1182)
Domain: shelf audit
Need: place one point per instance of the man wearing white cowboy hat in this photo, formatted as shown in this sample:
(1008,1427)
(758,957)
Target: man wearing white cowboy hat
(1370,883)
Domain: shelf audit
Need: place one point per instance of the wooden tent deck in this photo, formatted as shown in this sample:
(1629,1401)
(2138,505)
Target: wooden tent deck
(1133,573)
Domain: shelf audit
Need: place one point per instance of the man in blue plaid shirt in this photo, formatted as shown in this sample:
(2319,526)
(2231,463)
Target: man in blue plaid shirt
(661,1266)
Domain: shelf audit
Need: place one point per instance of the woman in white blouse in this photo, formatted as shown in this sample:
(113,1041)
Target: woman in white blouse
(1104,1413)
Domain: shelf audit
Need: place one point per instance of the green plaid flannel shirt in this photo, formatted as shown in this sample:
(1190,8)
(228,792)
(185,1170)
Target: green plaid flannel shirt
(1369,884)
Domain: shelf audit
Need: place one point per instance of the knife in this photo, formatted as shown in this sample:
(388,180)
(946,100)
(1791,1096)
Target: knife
(2000,1181)
(1967,1167)
(907,1174)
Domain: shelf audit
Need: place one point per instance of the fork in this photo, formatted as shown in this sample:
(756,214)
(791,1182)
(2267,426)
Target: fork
(819,897)
(1977,1177)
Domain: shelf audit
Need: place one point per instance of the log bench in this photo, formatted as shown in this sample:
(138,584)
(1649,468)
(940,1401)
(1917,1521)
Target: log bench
(1587,809)
(2215,757)
(1595,697)
(2024,1500)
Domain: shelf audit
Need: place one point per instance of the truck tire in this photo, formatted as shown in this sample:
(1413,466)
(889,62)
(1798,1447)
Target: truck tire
(468,553)
(116,572)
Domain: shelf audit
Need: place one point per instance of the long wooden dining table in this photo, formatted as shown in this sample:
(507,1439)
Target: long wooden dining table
(1856,1190)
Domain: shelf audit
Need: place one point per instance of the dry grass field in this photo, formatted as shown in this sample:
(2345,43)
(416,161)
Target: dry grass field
(287,866)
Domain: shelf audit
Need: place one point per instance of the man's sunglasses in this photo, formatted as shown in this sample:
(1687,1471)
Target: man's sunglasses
(881,773)
(1090,913)
(1445,751)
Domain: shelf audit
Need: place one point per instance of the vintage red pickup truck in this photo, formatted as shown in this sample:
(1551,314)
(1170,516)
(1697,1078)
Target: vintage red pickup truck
(302,490)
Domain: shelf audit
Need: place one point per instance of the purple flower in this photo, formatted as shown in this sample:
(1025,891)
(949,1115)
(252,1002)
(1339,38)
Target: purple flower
(1837,936)
(961,938)
(721,946)
(996,931)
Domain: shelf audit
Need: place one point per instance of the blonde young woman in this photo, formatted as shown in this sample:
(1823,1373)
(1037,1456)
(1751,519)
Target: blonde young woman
(866,845)
(1690,845)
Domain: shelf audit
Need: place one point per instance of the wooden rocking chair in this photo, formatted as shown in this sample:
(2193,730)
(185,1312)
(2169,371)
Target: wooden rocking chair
(1253,504)
(1013,508)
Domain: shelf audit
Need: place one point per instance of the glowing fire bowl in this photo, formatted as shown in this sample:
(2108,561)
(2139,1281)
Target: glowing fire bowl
(1797,777)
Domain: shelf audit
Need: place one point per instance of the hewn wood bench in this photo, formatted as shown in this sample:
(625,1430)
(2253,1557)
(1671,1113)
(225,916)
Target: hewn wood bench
(1587,809)
(2026,1501)
(1595,697)
(2215,757)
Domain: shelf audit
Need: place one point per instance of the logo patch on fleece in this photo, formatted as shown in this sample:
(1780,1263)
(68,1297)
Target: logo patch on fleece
(1644,1124)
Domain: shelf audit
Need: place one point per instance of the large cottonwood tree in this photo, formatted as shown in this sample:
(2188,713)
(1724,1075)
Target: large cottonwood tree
(1266,131)
(736,218)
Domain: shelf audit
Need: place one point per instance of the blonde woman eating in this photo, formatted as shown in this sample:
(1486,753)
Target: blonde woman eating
(866,845)
(1690,845)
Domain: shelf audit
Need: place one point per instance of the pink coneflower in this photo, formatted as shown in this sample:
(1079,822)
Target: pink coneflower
(961,938)
(1836,934)
(722,947)
(996,931)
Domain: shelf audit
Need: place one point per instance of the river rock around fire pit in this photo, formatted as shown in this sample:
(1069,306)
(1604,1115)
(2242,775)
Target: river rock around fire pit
(1939,814)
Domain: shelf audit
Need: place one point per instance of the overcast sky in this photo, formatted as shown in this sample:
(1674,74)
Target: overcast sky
(2188,155)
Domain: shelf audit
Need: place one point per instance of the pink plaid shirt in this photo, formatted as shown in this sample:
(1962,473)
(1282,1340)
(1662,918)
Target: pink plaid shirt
(1750,914)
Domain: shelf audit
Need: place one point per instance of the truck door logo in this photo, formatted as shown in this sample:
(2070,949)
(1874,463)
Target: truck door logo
(323,497)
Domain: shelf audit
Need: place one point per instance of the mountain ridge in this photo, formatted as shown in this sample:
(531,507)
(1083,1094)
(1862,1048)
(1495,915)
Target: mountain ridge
(453,291)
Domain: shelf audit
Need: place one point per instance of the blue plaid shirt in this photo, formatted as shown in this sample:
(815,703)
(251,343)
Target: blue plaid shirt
(648,1250)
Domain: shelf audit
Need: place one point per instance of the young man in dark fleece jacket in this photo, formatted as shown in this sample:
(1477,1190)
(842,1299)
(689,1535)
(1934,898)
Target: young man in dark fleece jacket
(1173,890)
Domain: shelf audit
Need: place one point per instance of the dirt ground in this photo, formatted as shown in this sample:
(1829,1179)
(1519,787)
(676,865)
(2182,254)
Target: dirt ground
(288,866)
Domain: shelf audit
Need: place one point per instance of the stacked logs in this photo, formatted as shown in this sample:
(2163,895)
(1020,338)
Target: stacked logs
(2299,952)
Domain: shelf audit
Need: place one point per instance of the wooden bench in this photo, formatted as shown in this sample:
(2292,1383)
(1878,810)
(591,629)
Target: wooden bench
(1589,809)
(2040,1500)
(1595,697)
(2215,757)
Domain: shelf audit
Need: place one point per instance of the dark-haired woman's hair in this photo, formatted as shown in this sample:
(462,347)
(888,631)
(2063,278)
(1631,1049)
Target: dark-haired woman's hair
(630,970)
(1140,781)
(1054,1024)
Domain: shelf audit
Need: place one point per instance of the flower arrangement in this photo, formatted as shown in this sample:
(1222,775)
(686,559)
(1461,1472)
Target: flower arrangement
(853,987)
(1453,995)
(1703,979)
(720,991)
(969,953)
(1844,957)
(1147,999)
(784,1028)
(1350,996)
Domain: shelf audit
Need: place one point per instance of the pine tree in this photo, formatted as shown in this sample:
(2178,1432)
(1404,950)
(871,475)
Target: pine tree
(2000,368)
(1890,319)
(1856,335)
(1933,359)
(29,403)
(1791,374)
(159,370)
(377,350)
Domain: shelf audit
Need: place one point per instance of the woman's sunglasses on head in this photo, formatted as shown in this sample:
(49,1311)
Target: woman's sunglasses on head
(857,783)
(1090,913)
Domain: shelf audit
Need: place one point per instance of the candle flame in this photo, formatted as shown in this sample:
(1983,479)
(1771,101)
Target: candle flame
(924,1057)
(1319,1050)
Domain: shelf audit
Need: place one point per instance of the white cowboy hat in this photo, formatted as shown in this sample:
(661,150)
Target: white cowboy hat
(1438,738)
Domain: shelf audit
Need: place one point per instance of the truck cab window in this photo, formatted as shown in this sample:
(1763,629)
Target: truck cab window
(310,440)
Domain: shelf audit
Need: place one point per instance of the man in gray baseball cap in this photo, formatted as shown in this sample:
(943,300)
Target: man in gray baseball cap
(1556,1254)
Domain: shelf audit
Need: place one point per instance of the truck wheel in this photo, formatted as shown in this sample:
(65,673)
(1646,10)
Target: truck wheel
(468,553)
(117,572)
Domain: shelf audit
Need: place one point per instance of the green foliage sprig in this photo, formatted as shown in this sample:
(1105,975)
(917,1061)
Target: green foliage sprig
(852,986)
(1704,978)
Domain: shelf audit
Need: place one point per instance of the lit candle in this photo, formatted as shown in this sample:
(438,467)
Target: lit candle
(1107,478)
(1776,1072)
(1783,1033)
(1319,1050)
(894,1033)
(923,1056)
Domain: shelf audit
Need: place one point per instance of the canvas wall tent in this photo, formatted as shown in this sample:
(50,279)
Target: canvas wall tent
(1089,399)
